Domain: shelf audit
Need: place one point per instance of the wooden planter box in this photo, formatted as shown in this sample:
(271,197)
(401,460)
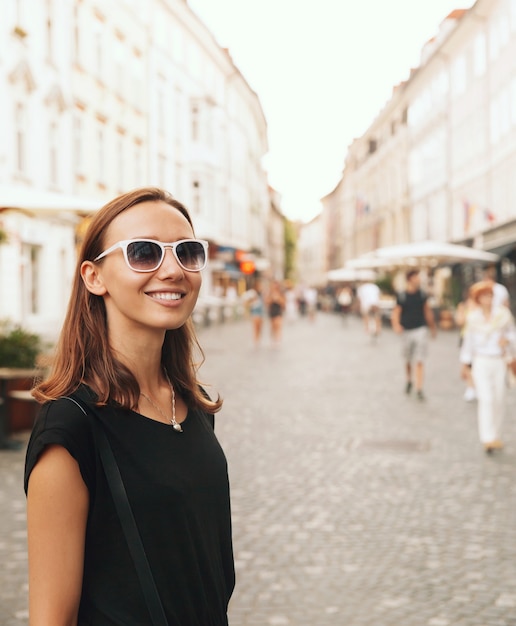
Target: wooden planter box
(21,412)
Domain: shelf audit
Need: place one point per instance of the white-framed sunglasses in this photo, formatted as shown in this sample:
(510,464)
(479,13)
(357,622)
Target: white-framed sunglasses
(146,255)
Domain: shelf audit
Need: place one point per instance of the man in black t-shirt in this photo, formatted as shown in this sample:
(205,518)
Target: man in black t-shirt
(411,317)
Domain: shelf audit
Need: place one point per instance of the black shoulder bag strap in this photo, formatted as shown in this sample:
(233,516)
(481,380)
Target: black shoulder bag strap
(127,520)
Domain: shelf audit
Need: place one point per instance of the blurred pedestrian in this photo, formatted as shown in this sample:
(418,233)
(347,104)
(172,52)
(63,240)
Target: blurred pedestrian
(301,302)
(461,315)
(345,301)
(368,295)
(124,390)
(275,308)
(412,316)
(500,292)
(291,306)
(257,311)
(310,298)
(489,340)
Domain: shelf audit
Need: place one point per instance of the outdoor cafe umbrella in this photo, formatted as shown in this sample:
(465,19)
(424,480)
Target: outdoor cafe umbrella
(422,253)
(350,275)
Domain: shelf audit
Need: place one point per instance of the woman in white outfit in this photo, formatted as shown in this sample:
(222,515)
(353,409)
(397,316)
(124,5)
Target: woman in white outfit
(489,340)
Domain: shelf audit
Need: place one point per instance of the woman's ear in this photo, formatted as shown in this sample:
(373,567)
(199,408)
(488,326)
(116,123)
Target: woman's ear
(92,278)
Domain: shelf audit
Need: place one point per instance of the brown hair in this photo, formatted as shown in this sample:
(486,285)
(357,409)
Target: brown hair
(411,273)
(479,289)
(83,353)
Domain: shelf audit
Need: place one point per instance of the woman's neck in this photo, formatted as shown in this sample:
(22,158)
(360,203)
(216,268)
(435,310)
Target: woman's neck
(142,356)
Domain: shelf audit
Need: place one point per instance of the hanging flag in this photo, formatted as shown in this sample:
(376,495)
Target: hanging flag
(469,211)
(489,216)
(467,216)
(361,206)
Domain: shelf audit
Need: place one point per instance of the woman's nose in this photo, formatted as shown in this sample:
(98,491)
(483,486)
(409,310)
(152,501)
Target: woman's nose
(170,264)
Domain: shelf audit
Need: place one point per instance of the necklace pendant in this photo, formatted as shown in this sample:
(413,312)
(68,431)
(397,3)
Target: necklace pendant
(176,426)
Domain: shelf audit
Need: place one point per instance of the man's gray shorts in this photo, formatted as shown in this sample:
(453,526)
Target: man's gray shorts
(415,344)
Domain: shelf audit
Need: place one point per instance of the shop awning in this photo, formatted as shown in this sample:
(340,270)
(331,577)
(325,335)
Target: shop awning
(46,202)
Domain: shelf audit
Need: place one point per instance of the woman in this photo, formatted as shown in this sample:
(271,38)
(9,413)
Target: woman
(275,308)
(488,341)
(257,312)
(127,347)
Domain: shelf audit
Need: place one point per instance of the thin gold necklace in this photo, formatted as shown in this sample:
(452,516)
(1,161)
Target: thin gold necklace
(172,421)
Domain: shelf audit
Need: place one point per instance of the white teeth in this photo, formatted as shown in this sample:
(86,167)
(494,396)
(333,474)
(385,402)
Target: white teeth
(166,295)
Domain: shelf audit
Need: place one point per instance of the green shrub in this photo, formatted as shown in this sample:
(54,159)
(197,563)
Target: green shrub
(19,348)
(385,285)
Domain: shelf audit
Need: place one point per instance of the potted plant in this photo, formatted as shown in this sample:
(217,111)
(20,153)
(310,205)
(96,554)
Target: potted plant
(18,347)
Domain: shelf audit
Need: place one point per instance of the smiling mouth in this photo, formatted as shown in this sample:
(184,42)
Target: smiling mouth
(166,295)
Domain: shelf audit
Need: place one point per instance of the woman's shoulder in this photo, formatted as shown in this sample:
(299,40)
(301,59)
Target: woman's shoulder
(63,422)
(65,413)
(503,314)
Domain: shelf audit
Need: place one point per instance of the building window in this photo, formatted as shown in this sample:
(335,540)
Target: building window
(120,158)
(20,18)
(52,153)
(120,65)
(98,51)
(31,276)
(77,145)
(459,75)
(138,163)
(196,197)
(479,55)
(178,180)
(161,112)
(512,11)
(513,101)
(162,170)
(76,35)
(194,113)
(50,32)
(137,94)
(494,38)
(21,139)
(101,157)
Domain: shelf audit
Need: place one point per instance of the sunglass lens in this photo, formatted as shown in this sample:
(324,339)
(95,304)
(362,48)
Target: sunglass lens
(144,255)
(191,255)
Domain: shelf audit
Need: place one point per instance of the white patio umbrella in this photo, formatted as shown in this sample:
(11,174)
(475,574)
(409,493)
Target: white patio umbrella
(426,253)
(370,261)
(349,274)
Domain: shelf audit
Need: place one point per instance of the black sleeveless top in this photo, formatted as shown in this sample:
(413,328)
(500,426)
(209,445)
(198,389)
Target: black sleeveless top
(177,485)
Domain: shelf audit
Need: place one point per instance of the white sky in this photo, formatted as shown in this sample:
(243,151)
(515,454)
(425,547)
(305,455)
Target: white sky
(323,70)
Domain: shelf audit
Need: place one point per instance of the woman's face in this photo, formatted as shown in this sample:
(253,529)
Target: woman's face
(485,299)
(162,299)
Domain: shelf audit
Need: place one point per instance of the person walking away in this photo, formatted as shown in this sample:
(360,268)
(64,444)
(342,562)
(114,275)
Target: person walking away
(311,302)
(124,380)
(345,301)
(489,340)
(412,317)
(275,309)
(368,295)
(257,312)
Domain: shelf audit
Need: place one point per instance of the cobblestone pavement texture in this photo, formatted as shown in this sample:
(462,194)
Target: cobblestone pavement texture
(353,503)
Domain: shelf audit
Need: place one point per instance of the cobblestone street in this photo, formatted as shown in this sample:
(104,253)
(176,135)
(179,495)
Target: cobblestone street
(353,504)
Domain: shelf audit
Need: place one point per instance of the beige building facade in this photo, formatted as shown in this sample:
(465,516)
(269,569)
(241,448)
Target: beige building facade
(102,97)
(438,162)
